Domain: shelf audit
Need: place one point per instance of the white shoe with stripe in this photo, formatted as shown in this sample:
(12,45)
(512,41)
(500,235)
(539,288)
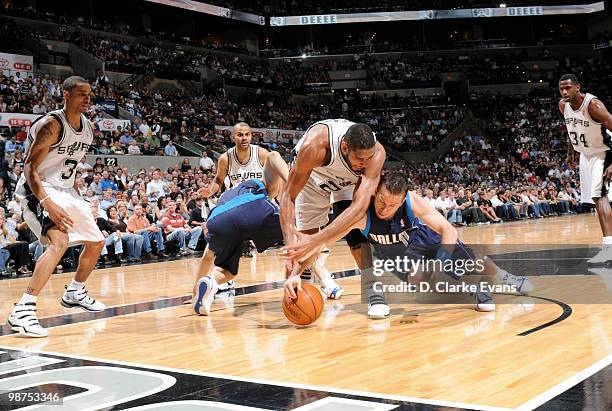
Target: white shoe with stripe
(23,320)
(78,298)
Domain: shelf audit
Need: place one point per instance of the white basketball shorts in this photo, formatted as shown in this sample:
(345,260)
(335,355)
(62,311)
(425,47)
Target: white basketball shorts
(84,227)
(592,167)
(312,206)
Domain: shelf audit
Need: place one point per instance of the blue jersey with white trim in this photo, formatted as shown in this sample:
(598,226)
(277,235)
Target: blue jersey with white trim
(403,228)
(244,193)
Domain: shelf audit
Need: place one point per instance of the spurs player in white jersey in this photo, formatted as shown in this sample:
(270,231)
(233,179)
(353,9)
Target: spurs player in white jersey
(336,157)
(242,162)
(53,209)
(588,125)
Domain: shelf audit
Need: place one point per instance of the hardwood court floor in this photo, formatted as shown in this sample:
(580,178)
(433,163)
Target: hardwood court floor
(433,352)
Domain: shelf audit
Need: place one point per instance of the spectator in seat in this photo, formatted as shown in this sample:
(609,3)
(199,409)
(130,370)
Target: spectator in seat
(206,163)
(19,250)
(133,149)
(140,225)
(176,228)
(170,149)
(133,242)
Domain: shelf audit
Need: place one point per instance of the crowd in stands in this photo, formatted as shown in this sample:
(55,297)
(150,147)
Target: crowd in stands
(114,25)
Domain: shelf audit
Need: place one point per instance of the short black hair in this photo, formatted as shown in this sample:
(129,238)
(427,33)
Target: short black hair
(359,137)
(395,181)
(571,77)
(72,81)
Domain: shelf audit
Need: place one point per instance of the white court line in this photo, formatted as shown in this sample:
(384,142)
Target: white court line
(565,385)
(370,394)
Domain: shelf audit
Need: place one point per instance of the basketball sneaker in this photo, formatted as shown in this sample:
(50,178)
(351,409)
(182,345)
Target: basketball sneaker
(226,286)
(23,320)
(521,283)
(333,291)
(603,257)
(78,297)
(206,288)
(484,301)
(378,311)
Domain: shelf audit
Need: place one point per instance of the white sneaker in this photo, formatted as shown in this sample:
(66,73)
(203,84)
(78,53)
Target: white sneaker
(484,302)
(378,311)
(521,283)
(23,320)
(333,292)
(603,257)
(79,298)
(206,288)
(226,286)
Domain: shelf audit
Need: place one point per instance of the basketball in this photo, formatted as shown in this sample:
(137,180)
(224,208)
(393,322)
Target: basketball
(306,308)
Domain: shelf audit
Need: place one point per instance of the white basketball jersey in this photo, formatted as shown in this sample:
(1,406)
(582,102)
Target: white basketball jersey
(586,135)
(59,166)
(238,172)
(337,174)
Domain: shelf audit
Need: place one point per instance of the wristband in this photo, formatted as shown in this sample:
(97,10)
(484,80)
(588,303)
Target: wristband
(44,199)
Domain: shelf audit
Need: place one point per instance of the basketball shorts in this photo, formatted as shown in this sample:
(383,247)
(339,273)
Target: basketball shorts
(84,227)
(257,220)
(592,167)
(312,206)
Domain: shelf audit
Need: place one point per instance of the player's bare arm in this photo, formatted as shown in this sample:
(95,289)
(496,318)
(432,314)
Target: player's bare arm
(46,136)
(570,148)
(312,154)
(215,186)
(433,219)
(599,113)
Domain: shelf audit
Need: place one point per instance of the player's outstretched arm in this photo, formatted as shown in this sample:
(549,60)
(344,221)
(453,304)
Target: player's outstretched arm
(222,169)
(311,155)
(46,136)
(433,219)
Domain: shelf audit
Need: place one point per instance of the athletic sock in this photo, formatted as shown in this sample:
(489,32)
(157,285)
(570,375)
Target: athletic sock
(324,275)
(27,298)
(607,239)
(75,285)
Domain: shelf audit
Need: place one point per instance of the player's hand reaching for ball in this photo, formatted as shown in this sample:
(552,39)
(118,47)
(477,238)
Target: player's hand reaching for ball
(291,284)
(57,214)
(302,248)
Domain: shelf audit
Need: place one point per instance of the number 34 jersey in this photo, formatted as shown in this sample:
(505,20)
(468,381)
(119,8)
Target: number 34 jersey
(586,135)
(337,174)
(58,168)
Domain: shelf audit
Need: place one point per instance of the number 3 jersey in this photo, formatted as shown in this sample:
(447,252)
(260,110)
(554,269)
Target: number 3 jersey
(58,168)
(586,135)
(337,174)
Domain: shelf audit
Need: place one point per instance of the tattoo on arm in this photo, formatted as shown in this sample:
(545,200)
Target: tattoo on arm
(29,290)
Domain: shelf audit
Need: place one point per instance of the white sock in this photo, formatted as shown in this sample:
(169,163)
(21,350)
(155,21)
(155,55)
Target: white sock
(607,240)
(28,298)
(500,274)
(324,275)
(74,285)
